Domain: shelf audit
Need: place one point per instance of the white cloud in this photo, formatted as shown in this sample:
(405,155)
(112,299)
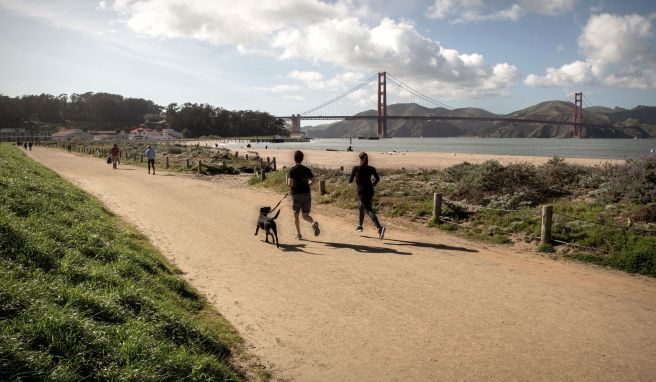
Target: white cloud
(618,52)
(225,21)
(316,81)
(294,97)
(462,11)
(102,5)
(420,61)
(282,88)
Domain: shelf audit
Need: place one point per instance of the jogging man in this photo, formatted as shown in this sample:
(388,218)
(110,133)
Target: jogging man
(150,155)
(299,179)
(362,175)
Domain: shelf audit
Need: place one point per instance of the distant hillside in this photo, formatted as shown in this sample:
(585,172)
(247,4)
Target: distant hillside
(640,121)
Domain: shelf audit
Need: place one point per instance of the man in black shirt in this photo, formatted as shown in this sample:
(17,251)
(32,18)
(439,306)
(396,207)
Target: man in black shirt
(362,175)
(299,179)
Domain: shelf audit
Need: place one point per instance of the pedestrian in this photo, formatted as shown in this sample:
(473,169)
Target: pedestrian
(150,155)
(29,144)
(299,179)
(114,152)
(363,175)
(25,145)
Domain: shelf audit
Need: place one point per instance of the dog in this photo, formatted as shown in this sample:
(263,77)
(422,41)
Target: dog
(268,225)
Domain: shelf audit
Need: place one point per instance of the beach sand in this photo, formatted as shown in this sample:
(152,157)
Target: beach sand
(407,160)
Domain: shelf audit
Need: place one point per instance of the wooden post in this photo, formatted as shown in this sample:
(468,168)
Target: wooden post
(322,187)
(187,165)
(274,163)
(545,233)
(200,164)
(141,158)
(246,156)
(268,160)
(223,163)
(262,174)
(167,162)
(236,154)
(341,168)
(437,207)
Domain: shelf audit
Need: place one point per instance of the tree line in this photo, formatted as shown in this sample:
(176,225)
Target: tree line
(105,111)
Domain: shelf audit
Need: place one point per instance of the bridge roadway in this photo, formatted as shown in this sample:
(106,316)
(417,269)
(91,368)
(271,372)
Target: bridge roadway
(451,118)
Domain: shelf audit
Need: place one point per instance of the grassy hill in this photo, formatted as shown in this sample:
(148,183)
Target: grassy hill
(640,121)
(84,297)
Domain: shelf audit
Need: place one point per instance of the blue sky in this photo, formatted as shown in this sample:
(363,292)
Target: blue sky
(287,56)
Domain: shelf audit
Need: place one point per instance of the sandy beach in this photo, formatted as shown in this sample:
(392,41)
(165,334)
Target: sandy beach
(421,305)
(395,159)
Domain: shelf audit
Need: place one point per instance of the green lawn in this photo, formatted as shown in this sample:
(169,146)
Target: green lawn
(85,297)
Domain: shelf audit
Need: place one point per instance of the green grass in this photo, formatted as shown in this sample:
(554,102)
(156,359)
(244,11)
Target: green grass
(84,297)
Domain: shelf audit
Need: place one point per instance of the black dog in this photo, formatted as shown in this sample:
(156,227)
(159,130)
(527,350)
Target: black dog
(268,225)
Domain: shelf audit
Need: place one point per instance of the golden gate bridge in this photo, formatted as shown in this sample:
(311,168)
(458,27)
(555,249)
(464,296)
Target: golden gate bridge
(359,96)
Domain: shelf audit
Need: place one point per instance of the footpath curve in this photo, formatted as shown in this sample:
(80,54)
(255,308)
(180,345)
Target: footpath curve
(344,306)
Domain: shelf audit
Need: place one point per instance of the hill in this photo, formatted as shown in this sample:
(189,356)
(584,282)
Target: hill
(640,122)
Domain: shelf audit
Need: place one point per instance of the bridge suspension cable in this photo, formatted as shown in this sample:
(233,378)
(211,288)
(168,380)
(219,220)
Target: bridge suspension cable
(416,93)
(367,81)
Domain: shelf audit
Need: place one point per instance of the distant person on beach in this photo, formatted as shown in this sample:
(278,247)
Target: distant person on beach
(299,179)
(25,145)
(349,148)
(362,175)
(150,155)
(114,152)
(29,145)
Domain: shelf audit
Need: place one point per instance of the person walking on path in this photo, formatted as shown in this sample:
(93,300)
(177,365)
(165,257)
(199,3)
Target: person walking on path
(299,179)
(150,155)
(114,152)
(362,175)
(29,145)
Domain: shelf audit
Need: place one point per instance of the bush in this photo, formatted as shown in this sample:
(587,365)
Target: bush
(635,181)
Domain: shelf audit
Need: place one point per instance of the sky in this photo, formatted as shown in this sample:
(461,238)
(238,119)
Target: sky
(287,56)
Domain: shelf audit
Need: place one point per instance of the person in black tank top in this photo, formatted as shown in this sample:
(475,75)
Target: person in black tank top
(363,175)
(299,179)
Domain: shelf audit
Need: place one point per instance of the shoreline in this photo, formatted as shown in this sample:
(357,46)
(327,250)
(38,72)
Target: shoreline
(414,160)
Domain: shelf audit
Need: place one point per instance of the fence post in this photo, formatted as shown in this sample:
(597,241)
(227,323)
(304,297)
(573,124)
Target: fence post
(141,158)
(236,154)
(322,187)
(437,207)
(268,160)
(262,174)
(200,163)
(167,162)
(274,163)
(246,156)
(545,232)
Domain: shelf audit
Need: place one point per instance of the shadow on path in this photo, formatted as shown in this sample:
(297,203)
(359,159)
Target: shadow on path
(363,248)
(295,248)
(420,244)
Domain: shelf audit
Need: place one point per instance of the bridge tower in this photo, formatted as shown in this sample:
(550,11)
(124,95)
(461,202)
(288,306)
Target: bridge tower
(382,104)
(578,114)
(296,124)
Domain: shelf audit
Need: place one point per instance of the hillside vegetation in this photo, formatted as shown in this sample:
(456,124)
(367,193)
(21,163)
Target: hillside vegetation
(83,297)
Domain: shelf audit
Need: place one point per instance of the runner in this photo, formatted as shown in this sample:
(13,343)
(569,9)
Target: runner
(362,175)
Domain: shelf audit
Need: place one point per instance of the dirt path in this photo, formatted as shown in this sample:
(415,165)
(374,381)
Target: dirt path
(418,306)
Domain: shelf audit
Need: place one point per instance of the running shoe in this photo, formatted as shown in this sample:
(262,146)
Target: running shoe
(358,228)
(315,227)
(381,233)
(299,237)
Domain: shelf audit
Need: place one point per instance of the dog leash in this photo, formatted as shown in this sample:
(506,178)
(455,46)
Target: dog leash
(283,198)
